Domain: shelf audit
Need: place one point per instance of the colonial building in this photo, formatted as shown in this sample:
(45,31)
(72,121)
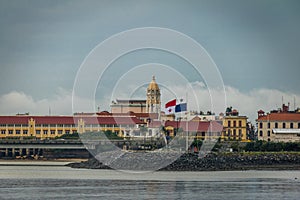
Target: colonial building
(151,105)
(279,125)
(235,126)
(43,127)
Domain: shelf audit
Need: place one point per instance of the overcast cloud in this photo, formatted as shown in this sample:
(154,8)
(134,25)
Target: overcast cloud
(254,43)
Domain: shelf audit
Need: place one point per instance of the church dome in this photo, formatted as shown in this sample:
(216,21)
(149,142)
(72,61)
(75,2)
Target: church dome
(153,85)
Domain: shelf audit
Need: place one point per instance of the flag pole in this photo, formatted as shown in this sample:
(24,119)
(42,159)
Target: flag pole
(187,125)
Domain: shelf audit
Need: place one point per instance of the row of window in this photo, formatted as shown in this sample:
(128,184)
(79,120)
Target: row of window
(63,125)
(52,132)
(234,132)
(25,132)
(261,133)
(13,125)
(18,132)
(234,123)
(284,125)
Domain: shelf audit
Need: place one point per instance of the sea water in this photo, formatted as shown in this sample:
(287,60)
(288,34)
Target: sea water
(50,180)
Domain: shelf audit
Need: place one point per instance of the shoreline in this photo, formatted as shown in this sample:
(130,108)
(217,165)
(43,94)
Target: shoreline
(31,162)
(212,162)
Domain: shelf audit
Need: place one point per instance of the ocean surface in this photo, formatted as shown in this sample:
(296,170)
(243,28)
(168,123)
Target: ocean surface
(52,180)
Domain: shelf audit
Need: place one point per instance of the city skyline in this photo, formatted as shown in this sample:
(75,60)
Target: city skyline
(254,45)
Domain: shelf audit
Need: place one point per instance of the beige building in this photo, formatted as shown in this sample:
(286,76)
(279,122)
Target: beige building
(127,106)
(279,125)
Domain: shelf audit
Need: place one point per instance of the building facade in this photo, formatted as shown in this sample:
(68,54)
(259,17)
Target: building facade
(235,126)
(153,103)
(127,106)
(44,127)
(279,125)
(202,130)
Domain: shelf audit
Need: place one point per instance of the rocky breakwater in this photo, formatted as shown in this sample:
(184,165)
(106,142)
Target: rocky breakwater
(210,162)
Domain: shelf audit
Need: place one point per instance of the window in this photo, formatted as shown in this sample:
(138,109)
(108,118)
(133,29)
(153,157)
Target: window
(25,132)
(38,132)
(240,132)
(3,125)
(260,133)
(52,125)
(10,125)
(269,133)
(52,132)
(291,125)
(269,124)
(283,125)
(234,132)
(18,132)
(59,131)
(260,125)
(276,125)
(45,125)
(240,123)
(298,125)
(229,132)
(229,123)
(60,125)
(38,125)
(234,123)
(3,131)
(10,132)
(67,132)
(45,132)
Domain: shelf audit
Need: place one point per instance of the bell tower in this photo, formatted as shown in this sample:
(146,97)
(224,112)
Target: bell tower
(153,104)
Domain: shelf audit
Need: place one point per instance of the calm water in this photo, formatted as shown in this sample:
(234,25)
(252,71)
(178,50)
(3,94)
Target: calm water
(59,182)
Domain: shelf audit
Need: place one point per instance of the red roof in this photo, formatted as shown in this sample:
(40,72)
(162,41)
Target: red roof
(196,126)
(280,117)
(14,119)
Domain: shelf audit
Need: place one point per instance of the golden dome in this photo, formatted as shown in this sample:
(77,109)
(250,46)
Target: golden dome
(153,85)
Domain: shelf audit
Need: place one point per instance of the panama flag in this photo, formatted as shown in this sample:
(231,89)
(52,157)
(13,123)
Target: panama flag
(181,107)
(173,107)
(170,107)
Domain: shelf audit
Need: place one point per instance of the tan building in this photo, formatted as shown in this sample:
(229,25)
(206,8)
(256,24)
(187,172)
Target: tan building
(127,106)
(235,126)
(279,125)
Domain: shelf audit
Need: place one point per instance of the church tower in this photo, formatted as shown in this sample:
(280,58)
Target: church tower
(153,104)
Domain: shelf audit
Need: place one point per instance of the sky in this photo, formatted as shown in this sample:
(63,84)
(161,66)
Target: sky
(254,45)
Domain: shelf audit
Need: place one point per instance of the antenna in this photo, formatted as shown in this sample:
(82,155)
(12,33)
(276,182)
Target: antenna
(49,111)
(294,103)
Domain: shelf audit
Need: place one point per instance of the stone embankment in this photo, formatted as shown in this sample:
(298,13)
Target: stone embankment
(213,162)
